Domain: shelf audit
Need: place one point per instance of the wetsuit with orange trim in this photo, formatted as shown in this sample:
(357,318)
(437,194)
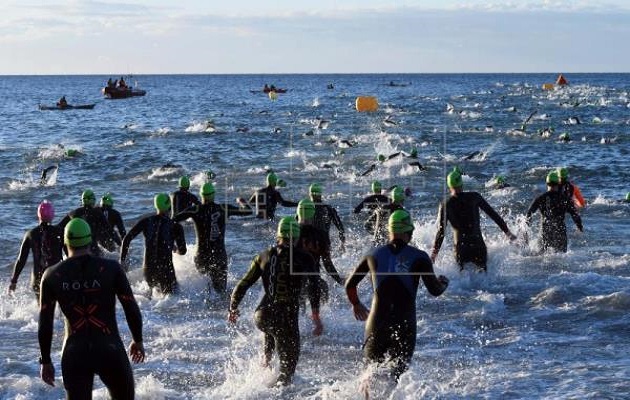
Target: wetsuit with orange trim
(553,205)
(395,270)
(282,269)
(211,258)
(86,288)
(571,191)
(162,236)
(102,231)
(266,200)
(462,211)
(46,243)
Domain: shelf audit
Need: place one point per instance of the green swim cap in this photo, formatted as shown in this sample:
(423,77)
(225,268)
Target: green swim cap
(454,180)
(377,187)
(107,200)
(552,178)
(380,157)
(499,180)
(414,152)
(184,182)
(400,222)
(88,198)
(272,179)
(458,170)
(71,152)
(315,189)
(628,196)
(162,202)
(565,136)
(207,190)
(305,209)
(397,195)
(288,228)
(77,233)
(563,173)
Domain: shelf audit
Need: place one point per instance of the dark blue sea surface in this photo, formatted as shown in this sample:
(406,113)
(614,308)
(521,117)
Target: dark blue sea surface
(553,325)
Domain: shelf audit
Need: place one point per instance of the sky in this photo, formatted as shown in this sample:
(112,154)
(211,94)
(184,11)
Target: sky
(317,36)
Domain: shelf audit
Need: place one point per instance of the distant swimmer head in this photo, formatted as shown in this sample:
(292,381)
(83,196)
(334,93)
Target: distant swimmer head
(305,210)
(563,173)
(628,197)
(565,137)
(454,180)
(552,179)
(408,192)
(77,233)
(315,191)
(107,200)
(414,153)
(210,174)
(288,228)
(45,211)
(377,187)
(380,158)
(162,202)
(397,195)
(499,180)
(272,179)
(87,198)
(184,182)
(400,222)
(71,152)
(207,191)
(282,183)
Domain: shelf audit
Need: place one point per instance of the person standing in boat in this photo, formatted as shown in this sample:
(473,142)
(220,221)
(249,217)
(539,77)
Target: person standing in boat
(121,83)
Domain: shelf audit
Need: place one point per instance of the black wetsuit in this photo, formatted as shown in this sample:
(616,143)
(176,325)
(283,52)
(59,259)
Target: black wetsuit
(376,224)
(86,288)
(317,244)
(462,211)
(211,258)
(395,271)
(325,216)
(181,200)
(372,202)
(553,206)
(115,219)
(161,236)
(282,270)
(46,243)
(102,232)
(266,200)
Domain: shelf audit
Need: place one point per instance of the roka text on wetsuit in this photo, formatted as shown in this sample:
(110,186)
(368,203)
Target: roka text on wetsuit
(46,243)
(86,288)
(462,211)
(266,201)
(161,236)
(282,269)
(211,258)
(553,206)
(102,231)
(395,271)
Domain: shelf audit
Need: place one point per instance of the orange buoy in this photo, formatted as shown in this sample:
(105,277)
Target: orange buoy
(366,103)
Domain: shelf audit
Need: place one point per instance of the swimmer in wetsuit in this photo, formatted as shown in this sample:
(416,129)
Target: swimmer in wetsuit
(553,206)
(569,189)
(461,209)
(317,243)
(112,215)
(395,270)
(266,199)
(209,219)
(373,201)
(162,238)
(376,224)
(102,232)
(43,180)
(182,198)
(325,215)
(45,242)
(282,268)
(86,288)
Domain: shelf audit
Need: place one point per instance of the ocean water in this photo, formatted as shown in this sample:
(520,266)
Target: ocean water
(536,326)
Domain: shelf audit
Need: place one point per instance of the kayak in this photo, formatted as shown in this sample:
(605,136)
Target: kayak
(122,93)
(68,107)
(269,90)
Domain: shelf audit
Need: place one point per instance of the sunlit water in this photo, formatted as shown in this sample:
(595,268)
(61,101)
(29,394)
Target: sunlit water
(554,326)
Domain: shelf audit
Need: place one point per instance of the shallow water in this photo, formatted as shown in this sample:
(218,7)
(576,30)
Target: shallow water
(552,326)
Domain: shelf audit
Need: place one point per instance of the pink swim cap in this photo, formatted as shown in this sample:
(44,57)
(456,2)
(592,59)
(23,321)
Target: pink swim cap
(46,211)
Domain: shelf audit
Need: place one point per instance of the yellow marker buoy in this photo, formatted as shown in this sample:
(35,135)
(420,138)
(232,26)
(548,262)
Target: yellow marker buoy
(547,86)
(366,103)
